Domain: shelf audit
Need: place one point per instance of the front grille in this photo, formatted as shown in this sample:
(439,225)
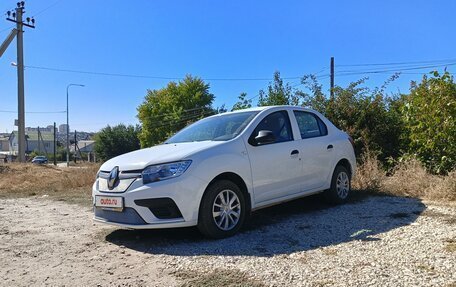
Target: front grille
(127,216)
(121,186)
(162,208)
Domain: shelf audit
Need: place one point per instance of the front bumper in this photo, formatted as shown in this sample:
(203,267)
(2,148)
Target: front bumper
(140,204)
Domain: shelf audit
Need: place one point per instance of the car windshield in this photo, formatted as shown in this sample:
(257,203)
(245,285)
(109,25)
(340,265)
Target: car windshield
(217,128)
(39,157)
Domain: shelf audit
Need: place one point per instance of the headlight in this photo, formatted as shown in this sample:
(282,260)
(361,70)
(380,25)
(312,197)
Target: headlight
(164,171)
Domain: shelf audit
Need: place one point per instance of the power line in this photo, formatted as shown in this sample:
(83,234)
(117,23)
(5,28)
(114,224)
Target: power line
(397,63)
(186,117)
(37,112)
(354,72)
(182,111)
(47,8)
(149,76)
(182,121)
(391,69)
(7,29)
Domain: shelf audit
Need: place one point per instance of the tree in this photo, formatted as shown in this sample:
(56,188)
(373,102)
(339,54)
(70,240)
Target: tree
(243,103)
(278,93)
(430,117)
(116,140)
(167,110)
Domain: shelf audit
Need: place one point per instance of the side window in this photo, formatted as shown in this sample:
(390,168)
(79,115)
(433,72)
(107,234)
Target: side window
(278,123)
(310,125)
(323,128)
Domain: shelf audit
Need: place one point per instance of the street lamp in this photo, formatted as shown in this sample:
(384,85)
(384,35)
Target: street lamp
(68,125)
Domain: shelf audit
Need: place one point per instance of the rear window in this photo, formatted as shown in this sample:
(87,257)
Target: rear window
(310,125)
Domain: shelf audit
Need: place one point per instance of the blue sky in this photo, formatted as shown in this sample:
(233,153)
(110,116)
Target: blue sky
(209,39)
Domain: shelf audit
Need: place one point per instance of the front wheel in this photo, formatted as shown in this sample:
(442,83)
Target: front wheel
(340,186)
(222,210)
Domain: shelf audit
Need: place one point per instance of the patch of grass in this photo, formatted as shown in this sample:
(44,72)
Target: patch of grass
(451,220)
(329,251)
(369,175)
(72,185)
(450,245)
(220,277)
(408,178)
(427,268)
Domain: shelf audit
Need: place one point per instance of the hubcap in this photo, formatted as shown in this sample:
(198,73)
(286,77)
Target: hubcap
(226,210)
(342,185)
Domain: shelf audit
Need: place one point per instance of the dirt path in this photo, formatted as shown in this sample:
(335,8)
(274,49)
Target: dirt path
(46,242)
(379,241)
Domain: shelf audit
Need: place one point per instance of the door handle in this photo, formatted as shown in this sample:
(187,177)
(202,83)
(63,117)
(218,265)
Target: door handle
(329,146)
(295,152)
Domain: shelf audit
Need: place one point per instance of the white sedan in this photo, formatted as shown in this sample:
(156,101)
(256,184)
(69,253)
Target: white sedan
(213,173)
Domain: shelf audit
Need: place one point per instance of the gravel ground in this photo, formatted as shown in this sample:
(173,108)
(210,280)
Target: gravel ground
(50,243)
(379,241)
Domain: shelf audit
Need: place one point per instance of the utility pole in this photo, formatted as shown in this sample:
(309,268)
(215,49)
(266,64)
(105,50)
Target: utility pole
(16,17)
(55,160)
(331,91)
(68,124)
(75,146)
(39,141)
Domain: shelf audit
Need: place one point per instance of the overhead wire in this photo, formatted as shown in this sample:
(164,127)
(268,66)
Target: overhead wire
(6,29)
(47,8)
(410,66)
(355,72)
(396,63)
(405,68)
(35,112)
(148,76)
(368,71)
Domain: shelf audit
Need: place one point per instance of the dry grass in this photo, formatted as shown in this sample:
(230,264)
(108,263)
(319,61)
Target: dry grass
(217,278)
(369,175)
(72,184)
(450,245)
(408,178)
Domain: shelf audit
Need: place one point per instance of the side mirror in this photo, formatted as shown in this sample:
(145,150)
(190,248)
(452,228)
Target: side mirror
(265,137)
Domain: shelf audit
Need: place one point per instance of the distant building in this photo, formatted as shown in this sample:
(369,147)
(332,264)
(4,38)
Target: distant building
(42,129)
(4,144)
(43,144)
(63,128)
(84,146)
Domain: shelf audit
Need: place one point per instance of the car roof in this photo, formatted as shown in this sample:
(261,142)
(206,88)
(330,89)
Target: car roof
(263,108)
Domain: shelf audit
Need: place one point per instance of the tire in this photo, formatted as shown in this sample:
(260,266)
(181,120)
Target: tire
(340,186)
(217,219)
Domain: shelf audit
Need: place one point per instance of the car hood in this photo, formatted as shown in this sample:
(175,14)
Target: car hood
(157,154)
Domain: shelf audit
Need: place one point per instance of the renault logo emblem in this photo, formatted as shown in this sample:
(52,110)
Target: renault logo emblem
(113,178)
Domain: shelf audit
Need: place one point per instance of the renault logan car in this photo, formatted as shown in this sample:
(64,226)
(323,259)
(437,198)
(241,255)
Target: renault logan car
(213,173)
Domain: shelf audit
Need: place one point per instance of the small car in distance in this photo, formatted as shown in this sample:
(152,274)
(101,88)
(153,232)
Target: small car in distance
(213,173)
(40,159)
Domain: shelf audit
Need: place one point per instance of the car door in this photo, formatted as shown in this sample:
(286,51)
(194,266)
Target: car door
(276,166)
(316,150)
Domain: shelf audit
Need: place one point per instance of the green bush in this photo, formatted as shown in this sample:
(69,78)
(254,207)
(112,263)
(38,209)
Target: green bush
(116,140)
(429,114)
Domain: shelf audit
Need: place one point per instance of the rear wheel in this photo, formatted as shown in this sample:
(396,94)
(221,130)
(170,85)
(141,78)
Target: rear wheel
(340,186)
(222,210)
